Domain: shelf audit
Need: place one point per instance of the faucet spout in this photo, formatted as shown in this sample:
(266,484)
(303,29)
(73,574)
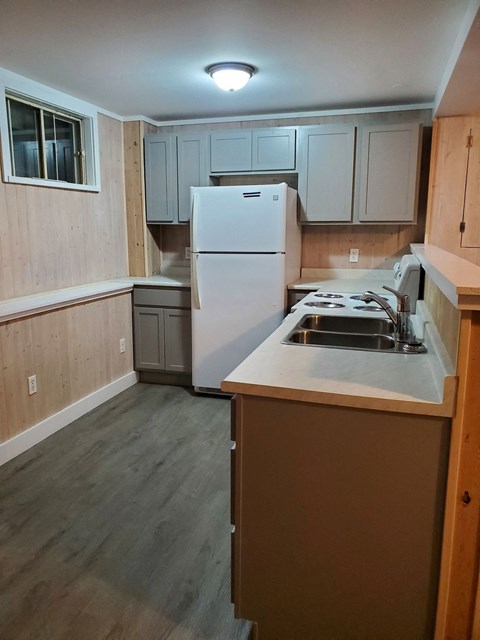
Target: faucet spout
(370,296)
(400,317)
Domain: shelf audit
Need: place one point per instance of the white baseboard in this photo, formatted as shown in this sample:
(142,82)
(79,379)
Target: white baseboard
(29,438)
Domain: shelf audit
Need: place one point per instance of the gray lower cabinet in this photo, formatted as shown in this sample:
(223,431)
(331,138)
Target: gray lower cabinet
(162,334)
(173,164)
(272,149)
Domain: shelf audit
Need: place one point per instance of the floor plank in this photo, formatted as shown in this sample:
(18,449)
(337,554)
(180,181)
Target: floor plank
(117,527)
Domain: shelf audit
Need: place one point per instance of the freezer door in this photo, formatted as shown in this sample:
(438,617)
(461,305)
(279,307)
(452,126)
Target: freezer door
(241,300)
(236,219)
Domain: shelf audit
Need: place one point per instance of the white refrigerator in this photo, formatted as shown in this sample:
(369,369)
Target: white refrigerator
(245,249)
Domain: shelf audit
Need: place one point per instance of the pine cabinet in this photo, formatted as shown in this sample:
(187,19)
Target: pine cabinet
(454,198)
(173,164)
(365,174)
(250,150)
(162,329)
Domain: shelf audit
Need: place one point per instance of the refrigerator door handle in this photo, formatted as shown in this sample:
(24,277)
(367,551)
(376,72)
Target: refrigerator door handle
(195,287)
(193,223)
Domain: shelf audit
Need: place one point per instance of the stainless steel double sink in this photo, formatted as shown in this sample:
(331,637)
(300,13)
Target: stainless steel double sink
(345,332)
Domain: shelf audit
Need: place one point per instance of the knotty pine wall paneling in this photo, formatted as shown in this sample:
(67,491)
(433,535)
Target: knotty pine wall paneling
(73,351)
(53,238)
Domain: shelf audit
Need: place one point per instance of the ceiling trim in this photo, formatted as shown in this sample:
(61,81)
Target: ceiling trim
(283,116)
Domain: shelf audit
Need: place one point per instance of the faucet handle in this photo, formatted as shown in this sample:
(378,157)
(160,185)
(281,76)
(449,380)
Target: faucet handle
(403,301)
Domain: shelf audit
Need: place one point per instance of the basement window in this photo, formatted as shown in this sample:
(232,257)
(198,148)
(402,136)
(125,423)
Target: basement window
(45,143)
(49,145)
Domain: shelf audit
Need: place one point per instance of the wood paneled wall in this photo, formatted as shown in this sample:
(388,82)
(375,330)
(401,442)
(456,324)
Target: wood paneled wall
(445,316)
(50,239)
(380,246)
(73,351)
(53,238)
(323,246)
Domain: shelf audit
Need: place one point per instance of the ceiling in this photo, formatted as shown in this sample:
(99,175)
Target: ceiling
(147,57)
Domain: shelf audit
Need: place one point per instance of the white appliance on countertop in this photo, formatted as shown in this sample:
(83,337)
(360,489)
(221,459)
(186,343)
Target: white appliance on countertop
(245,249)
(406,276)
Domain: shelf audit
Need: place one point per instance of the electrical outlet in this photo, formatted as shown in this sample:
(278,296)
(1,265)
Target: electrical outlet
(122,345)
(32,385)
(187,253)
(354,255)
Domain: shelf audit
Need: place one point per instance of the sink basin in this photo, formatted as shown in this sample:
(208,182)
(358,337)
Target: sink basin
(370,342)
(346,324)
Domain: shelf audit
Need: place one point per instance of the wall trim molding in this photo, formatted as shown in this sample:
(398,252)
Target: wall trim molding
(32,436)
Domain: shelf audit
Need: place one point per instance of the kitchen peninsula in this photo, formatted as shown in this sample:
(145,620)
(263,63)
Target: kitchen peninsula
(340,470)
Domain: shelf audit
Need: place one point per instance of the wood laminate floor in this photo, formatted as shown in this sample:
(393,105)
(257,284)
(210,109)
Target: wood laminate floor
(117,527)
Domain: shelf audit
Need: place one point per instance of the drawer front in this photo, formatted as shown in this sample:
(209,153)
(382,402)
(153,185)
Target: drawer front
(156,297)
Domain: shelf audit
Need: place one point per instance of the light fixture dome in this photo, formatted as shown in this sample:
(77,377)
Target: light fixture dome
(231,76)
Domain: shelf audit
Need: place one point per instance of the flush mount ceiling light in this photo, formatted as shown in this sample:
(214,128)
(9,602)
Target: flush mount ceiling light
(231,76)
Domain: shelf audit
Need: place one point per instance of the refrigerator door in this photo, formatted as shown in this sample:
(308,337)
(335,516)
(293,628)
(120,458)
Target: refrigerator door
(240,301)
(239,219)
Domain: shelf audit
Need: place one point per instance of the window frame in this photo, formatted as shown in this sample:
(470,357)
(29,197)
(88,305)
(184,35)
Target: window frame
(38,95)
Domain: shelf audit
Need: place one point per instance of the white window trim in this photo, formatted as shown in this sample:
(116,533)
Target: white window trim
(12,83)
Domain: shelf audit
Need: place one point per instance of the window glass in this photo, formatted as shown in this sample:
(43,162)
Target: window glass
(45,143)
(25,139)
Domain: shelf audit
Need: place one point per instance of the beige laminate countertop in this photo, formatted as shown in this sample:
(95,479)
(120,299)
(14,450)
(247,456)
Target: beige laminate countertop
(175,277)
(458,279)
(25,306)
(343,280)
(416,383)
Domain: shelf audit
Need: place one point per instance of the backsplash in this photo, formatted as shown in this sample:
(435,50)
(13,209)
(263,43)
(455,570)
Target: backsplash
(380,246)
(323,247)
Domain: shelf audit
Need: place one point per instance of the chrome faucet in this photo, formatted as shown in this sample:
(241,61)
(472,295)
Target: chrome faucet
(400,318)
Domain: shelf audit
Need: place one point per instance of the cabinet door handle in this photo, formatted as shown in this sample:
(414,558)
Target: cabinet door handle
(195,286)
(193,223)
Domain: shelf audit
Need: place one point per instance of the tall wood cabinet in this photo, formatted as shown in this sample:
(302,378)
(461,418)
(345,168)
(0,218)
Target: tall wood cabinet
(454,198)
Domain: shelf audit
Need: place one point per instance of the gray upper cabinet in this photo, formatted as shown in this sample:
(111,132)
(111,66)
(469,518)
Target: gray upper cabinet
(230,151)
(256,150)
(389,172)
(173,164)
(191,169)
(273,149)
(160,178)
(325,173)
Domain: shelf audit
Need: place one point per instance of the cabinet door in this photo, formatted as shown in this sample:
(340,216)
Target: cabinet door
(160,178)
(325,173)
(273,149)
(178,340)
(191,169)
(230,151)
(389,171)
(471,209)
(148,324)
